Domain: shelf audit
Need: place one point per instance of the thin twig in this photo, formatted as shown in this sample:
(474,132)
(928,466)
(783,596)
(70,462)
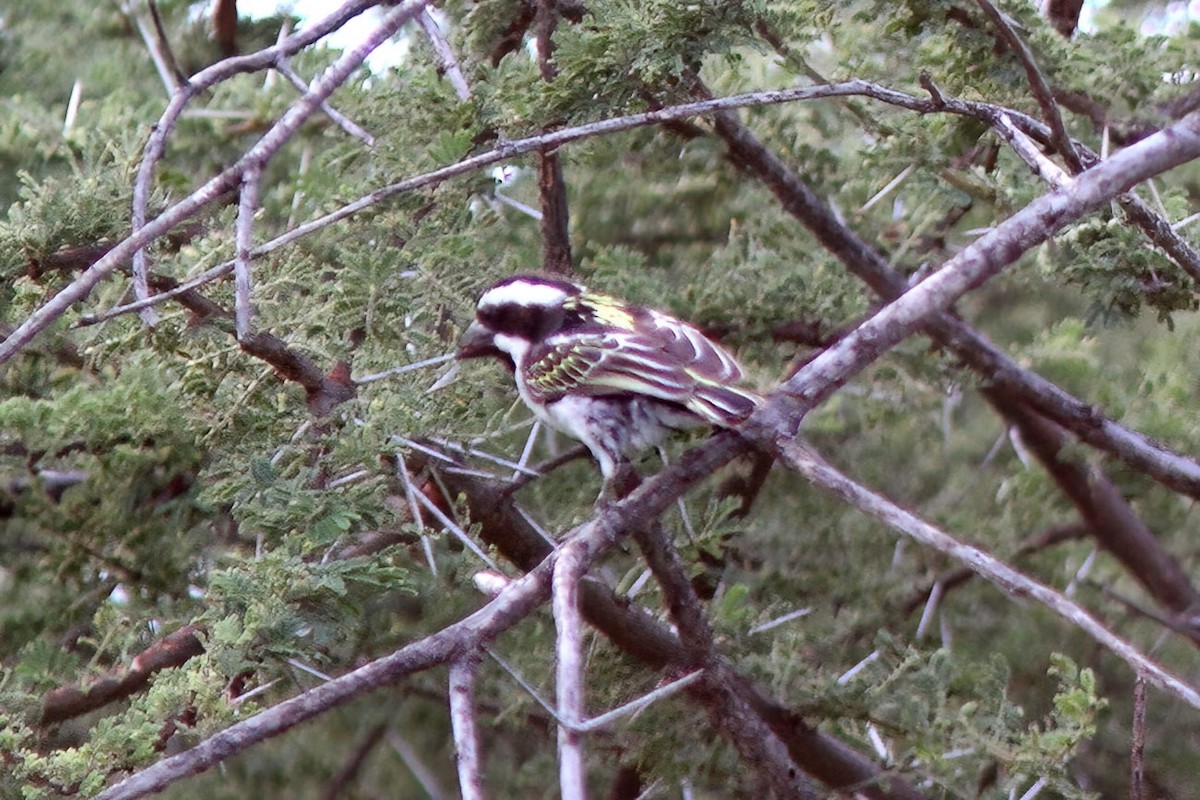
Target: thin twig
(1036,789)
(1137,749)
(645,701)
(244,235)
(455,529)
(156,46)
(389,373)
(422,772)
(1025,147)
(1037,82)
(524,684)
(462,720)
(570,710)
(410,494)
(338,118)
(445,55)
(813,467)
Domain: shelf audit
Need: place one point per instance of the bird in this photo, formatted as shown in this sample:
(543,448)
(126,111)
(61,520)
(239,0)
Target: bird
(616,377)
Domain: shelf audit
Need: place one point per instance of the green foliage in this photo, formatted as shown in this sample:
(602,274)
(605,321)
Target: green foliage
(152,479)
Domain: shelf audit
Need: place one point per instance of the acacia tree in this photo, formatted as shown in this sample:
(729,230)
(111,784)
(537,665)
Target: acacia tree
(247,492)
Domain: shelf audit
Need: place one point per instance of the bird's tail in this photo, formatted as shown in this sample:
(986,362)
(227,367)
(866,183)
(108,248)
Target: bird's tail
(724,406)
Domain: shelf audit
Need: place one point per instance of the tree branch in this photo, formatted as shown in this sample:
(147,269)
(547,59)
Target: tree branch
(1169,468)
(259,153)
(172,650)
(1037,82)
(516,601)
(570,705)
(466,734)
(813,467)
(758,745)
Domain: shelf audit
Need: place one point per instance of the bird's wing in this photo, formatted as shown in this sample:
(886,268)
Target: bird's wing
(701,355)
(633,363)
(605,364)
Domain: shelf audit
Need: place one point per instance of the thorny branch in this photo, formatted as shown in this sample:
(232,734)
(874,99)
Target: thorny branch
(516,601)
(275,137)
(1037,82)
(1172,469)
(223,182)
(813,467)
(776,423)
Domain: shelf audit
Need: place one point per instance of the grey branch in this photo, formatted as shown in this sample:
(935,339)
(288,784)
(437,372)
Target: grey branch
(275,137)
(466,734)
(813,467)
(244,242)
(987,256)
(341,120)
(445,55)
(1037,82)
(569,569)
(520,598)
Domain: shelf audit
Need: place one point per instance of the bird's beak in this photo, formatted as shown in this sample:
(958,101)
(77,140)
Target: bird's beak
(477,342)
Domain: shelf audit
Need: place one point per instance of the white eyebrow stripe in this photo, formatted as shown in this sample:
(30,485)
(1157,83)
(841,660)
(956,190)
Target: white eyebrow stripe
(523,293)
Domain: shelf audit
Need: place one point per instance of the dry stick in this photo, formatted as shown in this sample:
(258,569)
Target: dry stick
(569,569)
(813,467)
(731,711)
(517,147)
(1037,82)
(519,599)
(271,141)
(341,120)
(244,242)
(1137,750)
(462,720)
(445,55)
(636,632)
(183,94)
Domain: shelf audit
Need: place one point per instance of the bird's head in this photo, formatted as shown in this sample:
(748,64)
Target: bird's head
(513,314)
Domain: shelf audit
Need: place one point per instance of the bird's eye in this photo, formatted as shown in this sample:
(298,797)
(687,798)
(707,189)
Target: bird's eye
(529,322)
(507,318)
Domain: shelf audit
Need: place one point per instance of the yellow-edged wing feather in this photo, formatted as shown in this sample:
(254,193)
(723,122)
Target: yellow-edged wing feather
(670,366)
